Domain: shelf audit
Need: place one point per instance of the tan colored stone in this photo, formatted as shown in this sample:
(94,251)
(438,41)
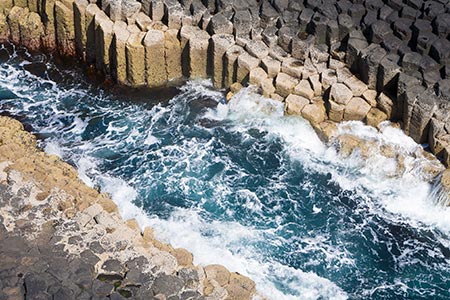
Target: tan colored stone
(143,21)
(304,89)
(231,58)
(79,11)
(133,224)
(385,104)
(257,75)
(154,58)
(285,84)
(107,204)
(31,31)
(356,86)
(314,80)
(172,54)
(119,58)
(340,93)
(4,28)
(184,257)
(294,104)
(375,117)
(91,11)
(293,67)
(236,87)
(314,113)
(271,66)
(356,109)
(343,74)
(277,97)
(328,78)
(267,87)
(245,64)
(240,287)
(219,273)
(335,111)
(135,52)
(194,43)
(220,44)
(327,131)
(371,97)
(5,6)
(15,15)
(103,40)
(21,3)
(65,29)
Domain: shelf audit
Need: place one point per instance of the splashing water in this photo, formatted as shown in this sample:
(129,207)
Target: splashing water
(242,185)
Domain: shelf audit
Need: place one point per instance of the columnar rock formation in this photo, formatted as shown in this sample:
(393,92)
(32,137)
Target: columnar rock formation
(64,240)
(369,60)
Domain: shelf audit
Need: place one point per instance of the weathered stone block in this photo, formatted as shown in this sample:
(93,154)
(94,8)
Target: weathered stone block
(103,41)
(294,105)
(198,55)
(155,65)
(388,73)
(271,66)
(304,89)
(293,67)
(31,31)
(119,59)
(242,22)
(357,109)
(285,84)
(79,12)
(21,3)
(301,46)
(267,87)
(246,63)
(422,113)
(340,93)
(269,36)
(314,112)
(257,49)
(135,52)
(15,15)
(335,111)
(220,24)
(354,48)
(256,76)
(378,30)
(231,57)
(328,78)
(172,54)
(316,85)
(143,21)
(440,51)
(220,44)
(375,117)
(318,27)
(356,86)
(91,11)
(386,104)
(156,12)
(369,64)
(5,6)
(4,28)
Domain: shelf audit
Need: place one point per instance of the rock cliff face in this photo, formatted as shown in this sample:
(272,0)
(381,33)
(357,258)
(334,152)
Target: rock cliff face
(369,60)
(61,239)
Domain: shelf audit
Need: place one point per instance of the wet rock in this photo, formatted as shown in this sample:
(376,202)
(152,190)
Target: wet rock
(167,285)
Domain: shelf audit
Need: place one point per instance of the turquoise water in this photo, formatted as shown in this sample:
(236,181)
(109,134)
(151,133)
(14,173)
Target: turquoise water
(241,185)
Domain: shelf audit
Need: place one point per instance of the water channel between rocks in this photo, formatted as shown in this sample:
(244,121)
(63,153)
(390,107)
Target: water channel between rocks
(241,185)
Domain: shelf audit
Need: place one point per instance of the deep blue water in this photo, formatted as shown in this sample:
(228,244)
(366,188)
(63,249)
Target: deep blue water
(241,185)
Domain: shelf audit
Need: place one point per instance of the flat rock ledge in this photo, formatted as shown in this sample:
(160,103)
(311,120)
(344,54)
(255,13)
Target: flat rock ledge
(60,239)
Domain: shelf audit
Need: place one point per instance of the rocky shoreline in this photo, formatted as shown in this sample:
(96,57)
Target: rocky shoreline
(327,61)
(61,239)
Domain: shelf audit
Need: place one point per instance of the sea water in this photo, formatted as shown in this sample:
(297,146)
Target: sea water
(241,185)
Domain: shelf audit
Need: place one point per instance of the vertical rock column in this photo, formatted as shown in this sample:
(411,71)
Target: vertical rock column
(46,10)
(91,11)
(172,53)
(135,52)
(231,57)
(195,43)
(156,74)
(79,10)
(103,40)
(15,15)
(119,59)
(220,44)
(65,29)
